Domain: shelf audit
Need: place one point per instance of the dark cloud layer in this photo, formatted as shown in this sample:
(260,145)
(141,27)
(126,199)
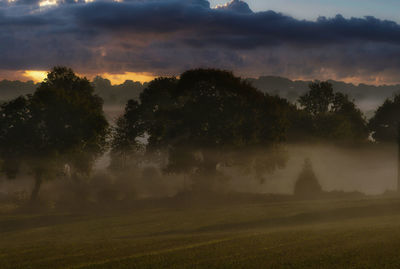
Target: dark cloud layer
(168,36)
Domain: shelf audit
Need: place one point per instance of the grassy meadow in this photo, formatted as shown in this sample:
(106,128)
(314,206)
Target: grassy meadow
(352,233)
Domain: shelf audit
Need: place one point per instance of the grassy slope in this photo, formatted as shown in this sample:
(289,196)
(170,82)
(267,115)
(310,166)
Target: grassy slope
(336,234)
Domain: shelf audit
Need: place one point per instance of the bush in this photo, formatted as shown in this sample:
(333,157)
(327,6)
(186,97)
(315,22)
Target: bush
(307,185)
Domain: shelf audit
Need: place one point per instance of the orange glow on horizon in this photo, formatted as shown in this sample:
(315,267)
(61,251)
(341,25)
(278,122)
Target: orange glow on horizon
(40,75)
(121,78)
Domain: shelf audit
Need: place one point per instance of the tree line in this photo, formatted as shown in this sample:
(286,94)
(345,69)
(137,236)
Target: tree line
(197,125)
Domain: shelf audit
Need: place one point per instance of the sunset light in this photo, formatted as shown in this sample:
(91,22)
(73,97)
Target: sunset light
(40,75)
(121,78)
(47,3)
(200,134)
(35,75)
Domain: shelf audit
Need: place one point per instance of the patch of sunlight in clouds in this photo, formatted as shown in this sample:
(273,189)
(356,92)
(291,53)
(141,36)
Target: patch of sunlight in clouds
(44,3)
(35,75)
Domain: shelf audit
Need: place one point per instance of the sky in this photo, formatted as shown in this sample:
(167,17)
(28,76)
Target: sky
(312,9)
(355,41)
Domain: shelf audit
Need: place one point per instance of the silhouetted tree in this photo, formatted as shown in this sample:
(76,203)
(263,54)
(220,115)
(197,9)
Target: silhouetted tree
(125,144)
(318,99)
(15,137)
(328,116)
(61,124)
(384,125)
(208,118)
(307,184)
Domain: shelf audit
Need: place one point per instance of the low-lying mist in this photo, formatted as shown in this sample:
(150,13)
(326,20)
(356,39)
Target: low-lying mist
(370,169)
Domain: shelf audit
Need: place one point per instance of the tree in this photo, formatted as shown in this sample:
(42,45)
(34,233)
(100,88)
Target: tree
(15,118)
(328,116)
(209,118)
(128,129)
(317,101)
(61,124)
(384,125)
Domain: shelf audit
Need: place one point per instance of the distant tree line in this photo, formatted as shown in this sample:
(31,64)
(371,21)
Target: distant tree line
(117,94)
(12,89)
(273,85)
(111,94)
(199,124)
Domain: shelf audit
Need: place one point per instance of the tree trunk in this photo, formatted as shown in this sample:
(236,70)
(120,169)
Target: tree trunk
(38,184)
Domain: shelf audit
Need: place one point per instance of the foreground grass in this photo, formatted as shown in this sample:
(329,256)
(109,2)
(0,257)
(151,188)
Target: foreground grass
(314,234)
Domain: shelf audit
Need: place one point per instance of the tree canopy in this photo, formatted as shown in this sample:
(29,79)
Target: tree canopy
(385,124)
(209,118)
(328,116)
(62,123)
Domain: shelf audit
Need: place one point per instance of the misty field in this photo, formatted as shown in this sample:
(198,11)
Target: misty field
(363,233)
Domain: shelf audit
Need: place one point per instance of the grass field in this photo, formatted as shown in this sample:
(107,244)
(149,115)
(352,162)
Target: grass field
(363,233)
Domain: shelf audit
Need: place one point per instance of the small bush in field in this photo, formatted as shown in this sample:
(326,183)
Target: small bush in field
(307,184)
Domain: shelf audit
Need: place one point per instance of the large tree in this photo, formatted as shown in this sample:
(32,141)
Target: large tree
(61,124)
(385,124)
(328,116)
(210,118)
(318,99)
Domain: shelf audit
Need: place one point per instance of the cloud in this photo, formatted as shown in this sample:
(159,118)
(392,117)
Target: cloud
(236,6)
(168,36)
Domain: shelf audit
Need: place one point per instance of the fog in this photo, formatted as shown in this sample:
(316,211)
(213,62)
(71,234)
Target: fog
(112,112)
(371,170)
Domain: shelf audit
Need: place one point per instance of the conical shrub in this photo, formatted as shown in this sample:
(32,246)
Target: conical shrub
(307,185)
